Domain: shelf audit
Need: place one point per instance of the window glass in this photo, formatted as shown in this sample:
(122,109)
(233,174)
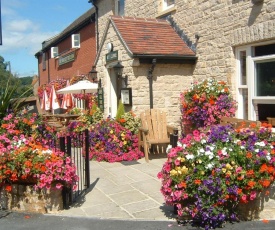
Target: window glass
(243,68)
(168,3)
(265,78)
(244,103)
(264,50)
(121,7)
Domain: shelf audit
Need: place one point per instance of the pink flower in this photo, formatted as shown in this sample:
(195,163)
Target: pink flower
(239,169)
(253,195)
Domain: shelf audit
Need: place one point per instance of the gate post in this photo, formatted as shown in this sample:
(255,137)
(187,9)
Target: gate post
(87,158)
(65,191)
(174,138)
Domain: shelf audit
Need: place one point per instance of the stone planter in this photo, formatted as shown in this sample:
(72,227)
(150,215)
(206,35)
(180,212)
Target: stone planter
(263,207)
(23,197)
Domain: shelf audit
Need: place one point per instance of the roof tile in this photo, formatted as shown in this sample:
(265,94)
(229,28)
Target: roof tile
(150,36)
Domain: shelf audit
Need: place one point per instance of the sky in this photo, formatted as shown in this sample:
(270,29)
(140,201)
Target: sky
(27,23)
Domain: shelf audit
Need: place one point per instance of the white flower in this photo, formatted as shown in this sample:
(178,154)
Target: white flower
(209,166)
(256,150)
(48,151)
(203,141)
(260,143)
(169,147)
(268,157)
(189,156)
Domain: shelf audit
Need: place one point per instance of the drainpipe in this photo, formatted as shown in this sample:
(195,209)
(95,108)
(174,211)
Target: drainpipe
(96,18)
(150,78)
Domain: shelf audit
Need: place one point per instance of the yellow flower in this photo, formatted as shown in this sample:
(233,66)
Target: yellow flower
(199,161)
(111,131)
(224,170)
(184,170)
(182,159)
(228,166)
(202,172)
(173,172)
(125,142)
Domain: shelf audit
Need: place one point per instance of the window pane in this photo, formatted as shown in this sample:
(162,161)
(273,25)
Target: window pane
(170,2)
(243,68)
(121,7)
(264,50)
(244,103)
(265,79)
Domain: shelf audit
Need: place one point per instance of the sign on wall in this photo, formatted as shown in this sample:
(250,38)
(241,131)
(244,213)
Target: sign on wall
(66,58)
(100,97)
(112,56)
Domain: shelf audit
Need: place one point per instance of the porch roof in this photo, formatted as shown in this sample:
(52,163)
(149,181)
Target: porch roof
(145,37)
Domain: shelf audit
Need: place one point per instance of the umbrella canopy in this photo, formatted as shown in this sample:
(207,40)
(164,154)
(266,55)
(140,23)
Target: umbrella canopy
(68,99)
(83,86)
(45,103)
(54,104)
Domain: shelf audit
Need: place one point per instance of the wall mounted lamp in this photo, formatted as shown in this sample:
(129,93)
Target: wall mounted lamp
(118,68)
(93,74)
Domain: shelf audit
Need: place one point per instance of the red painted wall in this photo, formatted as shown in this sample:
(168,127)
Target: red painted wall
(84,57)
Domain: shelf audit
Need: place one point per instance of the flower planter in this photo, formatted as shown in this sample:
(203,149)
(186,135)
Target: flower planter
(263,207)
(23,197)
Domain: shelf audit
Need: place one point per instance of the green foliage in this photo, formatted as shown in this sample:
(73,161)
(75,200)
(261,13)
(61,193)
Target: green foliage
(130,122)
(120,110)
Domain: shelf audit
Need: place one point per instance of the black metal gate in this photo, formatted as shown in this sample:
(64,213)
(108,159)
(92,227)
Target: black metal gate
(77,147)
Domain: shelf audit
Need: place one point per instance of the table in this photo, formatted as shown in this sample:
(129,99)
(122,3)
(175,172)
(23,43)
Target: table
(66,118)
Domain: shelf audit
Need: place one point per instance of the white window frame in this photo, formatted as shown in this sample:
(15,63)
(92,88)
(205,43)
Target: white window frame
(54,52)
(164,5)
(253,100)
(75,40)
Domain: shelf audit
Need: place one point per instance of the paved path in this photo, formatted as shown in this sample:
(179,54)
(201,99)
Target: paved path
(127,190)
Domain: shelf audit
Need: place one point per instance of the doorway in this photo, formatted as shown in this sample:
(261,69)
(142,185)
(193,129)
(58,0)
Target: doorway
(115,85)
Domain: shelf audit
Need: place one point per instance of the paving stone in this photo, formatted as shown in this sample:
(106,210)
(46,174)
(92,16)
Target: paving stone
(140,205)
(128,197)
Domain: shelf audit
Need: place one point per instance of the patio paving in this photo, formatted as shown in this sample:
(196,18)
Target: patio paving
(125,190)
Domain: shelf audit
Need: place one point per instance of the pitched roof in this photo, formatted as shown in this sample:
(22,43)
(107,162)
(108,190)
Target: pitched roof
(143,36)
(75,25)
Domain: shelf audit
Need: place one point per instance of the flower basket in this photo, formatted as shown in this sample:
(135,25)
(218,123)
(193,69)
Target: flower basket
(229,174)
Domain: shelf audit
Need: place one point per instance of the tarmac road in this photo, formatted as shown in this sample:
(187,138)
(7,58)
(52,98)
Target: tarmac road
(25,221)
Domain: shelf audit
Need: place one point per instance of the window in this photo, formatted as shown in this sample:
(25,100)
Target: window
(119,7)
(256,81)
(75,40)
(44,61)
(167,4)
(54,52)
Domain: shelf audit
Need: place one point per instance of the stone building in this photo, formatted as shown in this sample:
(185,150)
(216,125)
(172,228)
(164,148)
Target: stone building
(70,53)
(177,42)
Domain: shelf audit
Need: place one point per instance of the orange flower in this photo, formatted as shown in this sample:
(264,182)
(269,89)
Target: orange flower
(253,125)
(196,97)
(28,164)
(251,183)
(211,101)
(249,155)
(240,190)
(182,184)
(265,183)
(197,181)
(250,173)
(263,168)
(270,169)
(8,188)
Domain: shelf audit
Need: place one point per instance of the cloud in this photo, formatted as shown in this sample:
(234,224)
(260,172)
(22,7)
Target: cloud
(21,33)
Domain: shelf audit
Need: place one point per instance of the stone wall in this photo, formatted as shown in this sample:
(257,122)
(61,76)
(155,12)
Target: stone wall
(25,198)
(221,25)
